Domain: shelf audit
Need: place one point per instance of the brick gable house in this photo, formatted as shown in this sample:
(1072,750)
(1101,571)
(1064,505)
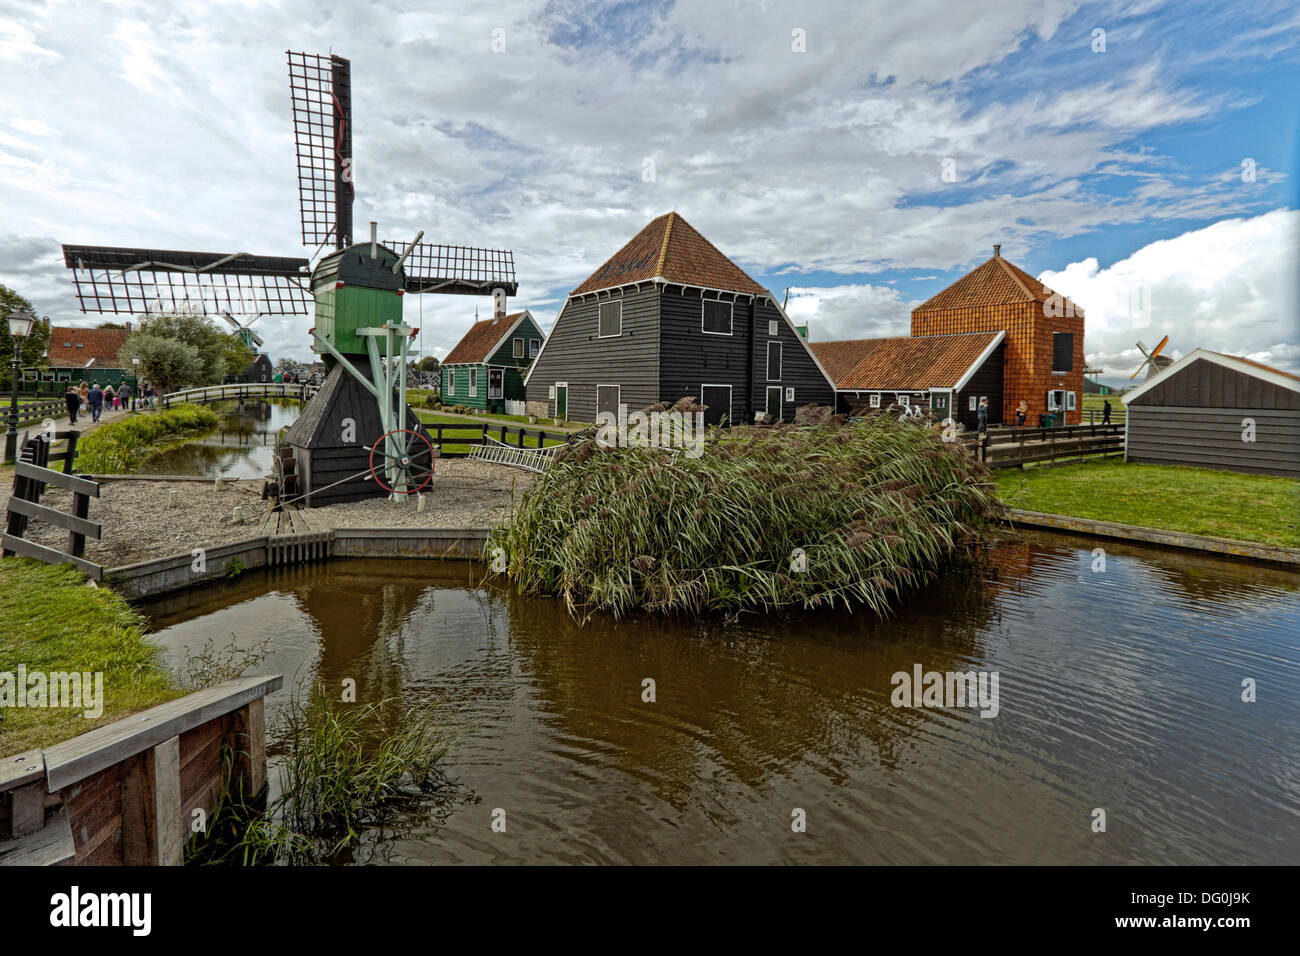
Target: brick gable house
(1044,334)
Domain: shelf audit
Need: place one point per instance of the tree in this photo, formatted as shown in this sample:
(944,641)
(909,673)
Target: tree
(219,354)
(427,364)
(166,363)
(34,346)
(111,325)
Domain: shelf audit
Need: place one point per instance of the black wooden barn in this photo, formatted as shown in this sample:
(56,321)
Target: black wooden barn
(1217,411)
(670,316)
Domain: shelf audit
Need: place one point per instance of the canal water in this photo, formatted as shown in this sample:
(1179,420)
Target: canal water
(1119,689)
(242,446)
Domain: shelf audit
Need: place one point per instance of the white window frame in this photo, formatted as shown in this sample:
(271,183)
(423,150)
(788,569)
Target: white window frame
(473,381)
(789,394)
(873,400)
(517,348)
(599,307)
(773,328)
(501,389)
(534,346)
(550,392)
(780,361)
(768,394)
(730,397)
(974,403)
(731,316)
(1071,401)
(617,401)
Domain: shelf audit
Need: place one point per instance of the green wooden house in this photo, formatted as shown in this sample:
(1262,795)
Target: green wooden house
(486,368)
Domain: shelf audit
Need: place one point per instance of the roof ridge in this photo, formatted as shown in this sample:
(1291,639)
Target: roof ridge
(1012,272)
(663,247)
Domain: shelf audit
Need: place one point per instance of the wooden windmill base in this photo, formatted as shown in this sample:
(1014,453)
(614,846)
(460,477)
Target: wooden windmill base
(331,440)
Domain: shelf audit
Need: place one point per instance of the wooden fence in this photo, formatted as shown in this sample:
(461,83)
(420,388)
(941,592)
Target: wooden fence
(30,480)
(33,413)
(240,391)
(1017,447)
(477,433)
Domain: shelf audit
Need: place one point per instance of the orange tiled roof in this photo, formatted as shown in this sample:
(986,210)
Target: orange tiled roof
(670,248)
(840,358)
(996,282)
(476,344)
(909,362)
(71,347)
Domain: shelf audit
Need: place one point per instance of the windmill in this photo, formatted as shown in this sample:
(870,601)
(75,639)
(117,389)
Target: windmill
(356,438)
(244,331)
(1152,361)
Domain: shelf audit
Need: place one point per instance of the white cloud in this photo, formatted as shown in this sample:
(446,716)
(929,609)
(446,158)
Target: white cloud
(1230,287)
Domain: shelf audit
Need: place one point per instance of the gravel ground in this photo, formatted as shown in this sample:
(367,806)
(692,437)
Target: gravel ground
(138,525)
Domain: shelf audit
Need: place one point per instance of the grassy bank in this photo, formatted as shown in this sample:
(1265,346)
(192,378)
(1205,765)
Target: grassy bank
(51,621)
(772,517)
(118,447)
(1224,504)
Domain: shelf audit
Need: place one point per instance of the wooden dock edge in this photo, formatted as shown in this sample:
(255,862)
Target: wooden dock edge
(178,572)
(1221,547)
(128,793)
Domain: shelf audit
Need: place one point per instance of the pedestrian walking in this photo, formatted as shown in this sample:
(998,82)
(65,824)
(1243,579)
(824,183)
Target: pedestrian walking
(109,396)
(95,399)
(983,412)
(73,400)
(83,390)
(124,393)
(1105,412)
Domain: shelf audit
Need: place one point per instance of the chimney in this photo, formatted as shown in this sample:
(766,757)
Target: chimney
(374,239)
(997,250)
(498,306)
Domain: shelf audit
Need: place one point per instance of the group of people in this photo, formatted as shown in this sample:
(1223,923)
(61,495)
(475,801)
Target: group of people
(94,399)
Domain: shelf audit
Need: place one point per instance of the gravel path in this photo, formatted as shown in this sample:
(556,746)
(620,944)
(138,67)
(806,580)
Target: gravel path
(138,524)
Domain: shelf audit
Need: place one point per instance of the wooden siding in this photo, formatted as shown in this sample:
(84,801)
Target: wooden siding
(505,354)
(798,370)
(1212,438)
(987,380)
(575,354)
(689,358)
(1206,384)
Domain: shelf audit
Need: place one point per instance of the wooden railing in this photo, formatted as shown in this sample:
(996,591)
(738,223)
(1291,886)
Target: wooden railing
(1016,447)
(477,433)
(33,413)
(239,391)
(30,480)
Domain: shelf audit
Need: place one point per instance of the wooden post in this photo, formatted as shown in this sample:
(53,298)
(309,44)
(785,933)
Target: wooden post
(153,831)
(503,434)
(250,749)
(80,509)
(482,439)
(519,437)
(71,452)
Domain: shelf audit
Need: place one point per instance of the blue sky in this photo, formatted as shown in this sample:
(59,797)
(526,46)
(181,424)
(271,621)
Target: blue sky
(807,140)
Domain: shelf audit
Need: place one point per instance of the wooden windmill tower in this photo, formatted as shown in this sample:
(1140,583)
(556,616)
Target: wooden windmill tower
(356,438)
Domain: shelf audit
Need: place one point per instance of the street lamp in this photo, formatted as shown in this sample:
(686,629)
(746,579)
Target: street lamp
(135,392)
(20,326)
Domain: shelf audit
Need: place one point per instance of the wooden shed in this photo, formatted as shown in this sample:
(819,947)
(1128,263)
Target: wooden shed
(1212,410)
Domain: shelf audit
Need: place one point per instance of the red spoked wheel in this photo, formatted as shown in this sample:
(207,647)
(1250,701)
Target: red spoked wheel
(412,457)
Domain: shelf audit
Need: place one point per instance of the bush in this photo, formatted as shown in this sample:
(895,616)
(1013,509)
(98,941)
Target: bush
(116,448)
(874,508)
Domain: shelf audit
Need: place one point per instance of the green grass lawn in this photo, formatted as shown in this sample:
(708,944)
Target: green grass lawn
(432,418)
(1225,504)
(50,620)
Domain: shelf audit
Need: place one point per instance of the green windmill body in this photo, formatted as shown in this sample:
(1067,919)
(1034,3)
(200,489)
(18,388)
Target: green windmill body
(354,291)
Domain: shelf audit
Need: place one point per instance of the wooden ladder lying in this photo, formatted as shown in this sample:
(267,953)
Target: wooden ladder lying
(530,459)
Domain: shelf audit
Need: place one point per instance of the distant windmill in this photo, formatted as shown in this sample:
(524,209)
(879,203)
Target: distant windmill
(244,330)
(1154,362)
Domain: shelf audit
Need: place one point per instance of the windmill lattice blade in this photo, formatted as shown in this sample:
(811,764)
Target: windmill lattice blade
(229,318)
(137,281)
(458,270)
(320,92)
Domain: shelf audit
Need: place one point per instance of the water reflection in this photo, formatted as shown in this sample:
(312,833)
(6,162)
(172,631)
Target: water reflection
(241,446)
(1119,689)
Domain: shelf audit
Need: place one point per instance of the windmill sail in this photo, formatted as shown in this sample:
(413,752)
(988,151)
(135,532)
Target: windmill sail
(136,281)
(458,270)
(320,90)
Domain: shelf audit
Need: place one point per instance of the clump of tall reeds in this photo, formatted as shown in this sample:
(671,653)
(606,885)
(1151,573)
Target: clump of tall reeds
(344,770)
(117,448)
(788,516)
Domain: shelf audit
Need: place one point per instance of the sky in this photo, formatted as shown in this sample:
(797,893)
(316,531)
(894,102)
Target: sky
(1140,158)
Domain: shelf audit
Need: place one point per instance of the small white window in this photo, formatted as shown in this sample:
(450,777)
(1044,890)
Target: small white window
(533,345)
(789,394)
(550,391)
(773,328)
(1070,401)
(973,402)
(874,400)
(473,382)
(518,348)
